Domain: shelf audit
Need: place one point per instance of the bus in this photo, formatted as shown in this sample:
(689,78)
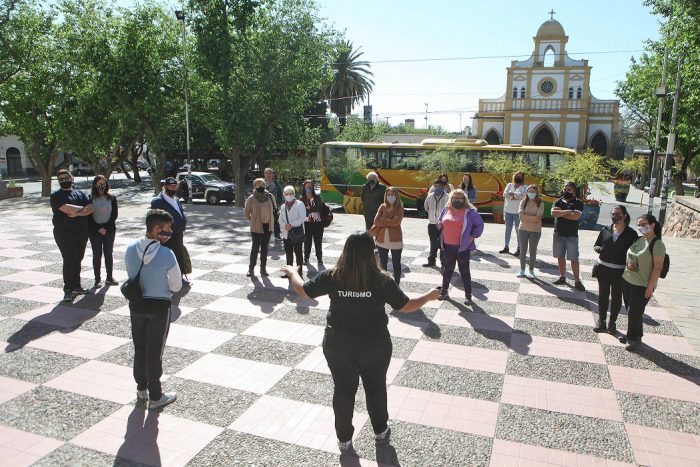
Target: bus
(344,166)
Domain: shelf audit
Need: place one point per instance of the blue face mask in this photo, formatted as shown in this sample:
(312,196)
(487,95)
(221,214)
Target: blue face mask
(531,195)
(309,190)
(439,191)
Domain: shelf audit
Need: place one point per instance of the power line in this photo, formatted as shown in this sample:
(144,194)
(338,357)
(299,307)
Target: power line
(488,57)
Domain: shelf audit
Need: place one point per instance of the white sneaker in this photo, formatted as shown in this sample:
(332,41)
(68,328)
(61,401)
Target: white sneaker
(165,399)
(142,395)
(345,446)
(521,273)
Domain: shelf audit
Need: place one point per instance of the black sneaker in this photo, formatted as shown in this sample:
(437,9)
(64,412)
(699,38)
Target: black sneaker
(505,250)
(468,301)
(517,252)
(250,273)
(263,272)
(612,328)
(560,281)
(98,284)
(80,291)
(383,437)
(429,265)
(599,326)
(579,286)
(443,296)
(67,296)
(111,281)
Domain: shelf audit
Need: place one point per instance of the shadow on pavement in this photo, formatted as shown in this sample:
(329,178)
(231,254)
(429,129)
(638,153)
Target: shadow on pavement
(141,439)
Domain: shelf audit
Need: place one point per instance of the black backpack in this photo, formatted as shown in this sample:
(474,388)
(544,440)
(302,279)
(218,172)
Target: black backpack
(667,260)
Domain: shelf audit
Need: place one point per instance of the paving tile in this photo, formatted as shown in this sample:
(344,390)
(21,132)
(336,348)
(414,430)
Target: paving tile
(31,277)
(213,288)
(507,453)
(23,264)
(655,383)
(554,315)
(34,365)
(38,293)
(557,348)
(148,437)
(653,446)
(243,307)
(198,339)
(78,343)
(101,380)
(234,373)
(20,448)
(659,412)
(294,422)
(474,320)
(11,388)
(58,315)
(459,356)
(285,331)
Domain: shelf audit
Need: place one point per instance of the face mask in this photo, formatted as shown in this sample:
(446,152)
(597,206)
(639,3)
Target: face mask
(309,190)
(644,229)
(100,187)
(170,193)
(458,204)
(615,218)
(372,182)
(567,195)
(164,236)
(260,189)
(438,191)
(531,195)
(65,185)
(445,181)
(289,198)
(391,199)
(518,180)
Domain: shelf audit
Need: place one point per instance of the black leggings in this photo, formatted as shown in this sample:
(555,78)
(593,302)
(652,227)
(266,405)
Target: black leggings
(314,233)
(260,244)
(72,246)
(609,292)
(292,250)
(637,303)
(102,243)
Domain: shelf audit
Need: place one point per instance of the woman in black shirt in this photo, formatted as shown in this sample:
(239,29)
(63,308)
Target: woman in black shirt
(313,228)
(357,341)
(612,245)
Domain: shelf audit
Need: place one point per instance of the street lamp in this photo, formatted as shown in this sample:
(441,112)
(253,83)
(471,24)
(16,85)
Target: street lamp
(180,15)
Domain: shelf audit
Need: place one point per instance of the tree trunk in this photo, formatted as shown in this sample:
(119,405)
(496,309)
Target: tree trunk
(240,171)
(125,170)
(136,152)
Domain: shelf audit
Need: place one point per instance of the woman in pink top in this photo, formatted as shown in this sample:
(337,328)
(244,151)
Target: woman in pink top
(460,224)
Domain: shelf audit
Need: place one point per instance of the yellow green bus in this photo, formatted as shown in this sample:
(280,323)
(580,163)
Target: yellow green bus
(398,165)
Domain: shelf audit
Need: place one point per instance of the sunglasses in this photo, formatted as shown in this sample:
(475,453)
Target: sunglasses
(64,179)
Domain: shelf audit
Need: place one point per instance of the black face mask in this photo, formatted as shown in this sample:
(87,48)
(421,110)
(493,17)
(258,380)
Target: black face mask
(65,185)
(170,193)
(458,204)
(372,182)
(567,195)
(518,180)
(260,189)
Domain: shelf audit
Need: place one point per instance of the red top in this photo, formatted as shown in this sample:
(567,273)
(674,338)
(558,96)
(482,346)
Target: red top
(452,224)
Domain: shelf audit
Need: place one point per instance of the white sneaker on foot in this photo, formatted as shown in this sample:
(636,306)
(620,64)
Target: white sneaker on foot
(165,399)
(142,395)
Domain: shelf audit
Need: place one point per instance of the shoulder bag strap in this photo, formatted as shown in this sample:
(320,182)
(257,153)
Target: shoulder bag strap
(651,246)
(138,274)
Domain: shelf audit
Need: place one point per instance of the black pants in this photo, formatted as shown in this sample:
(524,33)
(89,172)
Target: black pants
(369,220)
(177,245)
(260,244)
(292,250)
(609,292)
(277,224)
(395,261)
(102,243)
(454,257)
(150,323)
(636,304)
(314,233)
(350,357)
(72,245)
(434,236)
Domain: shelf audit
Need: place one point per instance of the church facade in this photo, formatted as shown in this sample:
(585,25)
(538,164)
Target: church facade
(548,101)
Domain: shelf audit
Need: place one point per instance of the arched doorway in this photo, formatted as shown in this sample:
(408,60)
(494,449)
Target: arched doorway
(599,143)
(492,137)
(14,162)
(543,137)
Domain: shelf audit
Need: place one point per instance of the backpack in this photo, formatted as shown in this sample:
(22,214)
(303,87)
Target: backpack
(667,260)
(326,215)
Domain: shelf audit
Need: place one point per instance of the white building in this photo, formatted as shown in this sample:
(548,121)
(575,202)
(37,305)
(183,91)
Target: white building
(548,101)
(13,158)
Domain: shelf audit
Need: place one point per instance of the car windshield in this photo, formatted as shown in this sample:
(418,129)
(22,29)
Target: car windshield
(209,178)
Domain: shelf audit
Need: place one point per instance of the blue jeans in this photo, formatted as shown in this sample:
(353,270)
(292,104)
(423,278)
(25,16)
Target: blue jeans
(461,259)
(512,220)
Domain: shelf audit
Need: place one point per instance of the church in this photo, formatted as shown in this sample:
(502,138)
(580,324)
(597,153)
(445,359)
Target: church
(548,101)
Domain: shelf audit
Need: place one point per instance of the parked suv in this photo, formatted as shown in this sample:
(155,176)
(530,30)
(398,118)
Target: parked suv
(209,187)
(80,168)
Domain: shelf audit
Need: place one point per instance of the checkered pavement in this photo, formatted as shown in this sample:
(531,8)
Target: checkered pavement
(519,379)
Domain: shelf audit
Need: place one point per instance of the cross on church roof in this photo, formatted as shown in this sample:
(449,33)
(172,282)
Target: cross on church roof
(551,13)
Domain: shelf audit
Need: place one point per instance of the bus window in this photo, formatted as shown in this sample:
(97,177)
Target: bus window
(376,159)
(554,163)
(538,160)
(404,159)
(470,161)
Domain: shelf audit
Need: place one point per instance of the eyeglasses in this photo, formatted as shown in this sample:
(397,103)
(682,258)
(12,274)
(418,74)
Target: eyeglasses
(64,179)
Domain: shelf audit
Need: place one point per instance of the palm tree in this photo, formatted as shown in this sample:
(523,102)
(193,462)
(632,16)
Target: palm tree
(351,81)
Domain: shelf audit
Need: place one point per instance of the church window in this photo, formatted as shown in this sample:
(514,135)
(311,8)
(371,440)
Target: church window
(515,93)
(571,92)
(522,92)
(546,87)
(578,93)
(548,57)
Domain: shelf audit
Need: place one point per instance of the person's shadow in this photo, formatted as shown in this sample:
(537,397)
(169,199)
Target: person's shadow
(140,440)
(420,320)
(493,328)
(480,256)
(61,318)
(669,364)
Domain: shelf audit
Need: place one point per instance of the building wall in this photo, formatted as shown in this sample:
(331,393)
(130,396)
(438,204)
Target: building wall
(7,142)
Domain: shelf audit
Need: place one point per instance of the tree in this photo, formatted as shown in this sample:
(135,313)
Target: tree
(259,62)
(357,130)
(10,56)
(351,81)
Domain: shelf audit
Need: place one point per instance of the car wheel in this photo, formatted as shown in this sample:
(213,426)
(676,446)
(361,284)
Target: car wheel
(212,198)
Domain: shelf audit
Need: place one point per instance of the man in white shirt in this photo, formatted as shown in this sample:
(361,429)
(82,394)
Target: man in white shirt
(435,202)
(515,192)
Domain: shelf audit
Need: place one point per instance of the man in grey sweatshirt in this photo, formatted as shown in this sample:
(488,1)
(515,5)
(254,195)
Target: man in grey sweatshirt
(150,318)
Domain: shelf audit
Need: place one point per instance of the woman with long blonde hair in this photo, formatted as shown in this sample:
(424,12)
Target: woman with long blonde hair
(531,212)
(387,231)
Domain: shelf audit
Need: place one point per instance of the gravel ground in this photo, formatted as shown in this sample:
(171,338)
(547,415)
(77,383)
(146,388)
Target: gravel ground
(205,265)
(646,358)
(224,277)
(417,445)
(99,302)
(218,320)
(9,287)
(195,401)
(272,295)
(6,271)
(561,371)
(416,287)
(314,388)
(54,413)
(472,338)
(490,308)
(574,433)
(554,302)
(424,315)
(450,380)
(265,350)
(14,306)
(174,358)
(110,324)
(657,412)
(402,346)
(38,246)
(556,330)
(300,314)
(76,456)
(192,299)
(484,284)
(19,332)
(36,366)
(651,326)
(235,448)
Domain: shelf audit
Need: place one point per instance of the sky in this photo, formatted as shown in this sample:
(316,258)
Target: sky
(489,34)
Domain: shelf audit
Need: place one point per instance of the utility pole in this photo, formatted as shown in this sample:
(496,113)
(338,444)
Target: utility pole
(671,147)
(180,15)
(426,115)
(661,94)
(461,130)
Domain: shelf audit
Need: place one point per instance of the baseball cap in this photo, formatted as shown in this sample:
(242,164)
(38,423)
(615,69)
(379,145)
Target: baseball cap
(169,181)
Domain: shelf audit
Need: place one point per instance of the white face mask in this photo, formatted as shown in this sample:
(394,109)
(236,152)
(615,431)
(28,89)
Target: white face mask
(289,198)
(391,199)
(644,229)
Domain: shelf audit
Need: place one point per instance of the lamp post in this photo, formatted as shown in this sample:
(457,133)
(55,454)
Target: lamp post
(180,15)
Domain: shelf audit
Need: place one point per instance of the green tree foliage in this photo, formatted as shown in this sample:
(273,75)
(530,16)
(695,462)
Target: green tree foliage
(358,131)
(351,82)
(506,165)
(260,62)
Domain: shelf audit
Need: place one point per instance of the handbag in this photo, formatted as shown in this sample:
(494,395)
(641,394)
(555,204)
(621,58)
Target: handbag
(326,215)
(296,234)
(131,288)
(594,271)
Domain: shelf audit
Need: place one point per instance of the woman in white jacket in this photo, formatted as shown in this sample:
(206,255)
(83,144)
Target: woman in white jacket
(292,215)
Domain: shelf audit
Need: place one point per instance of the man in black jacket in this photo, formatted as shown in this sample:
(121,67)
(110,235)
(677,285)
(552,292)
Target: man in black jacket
(372,197)
(167,201)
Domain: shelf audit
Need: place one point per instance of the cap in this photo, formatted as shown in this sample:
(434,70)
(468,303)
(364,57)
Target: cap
(169,181)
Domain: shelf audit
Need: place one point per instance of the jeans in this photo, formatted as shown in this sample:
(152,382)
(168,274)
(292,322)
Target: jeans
(609,292)
(292,250)
(528,239)
(72,245)
(314,234)
(350,357)
(395,261)
(260,244)
(149,331)
(461,258)
(434,235)
(636,303)
(102,243)
(512,220)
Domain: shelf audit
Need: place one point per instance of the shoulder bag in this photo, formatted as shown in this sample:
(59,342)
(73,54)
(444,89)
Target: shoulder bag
(296,234)
(131,288)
